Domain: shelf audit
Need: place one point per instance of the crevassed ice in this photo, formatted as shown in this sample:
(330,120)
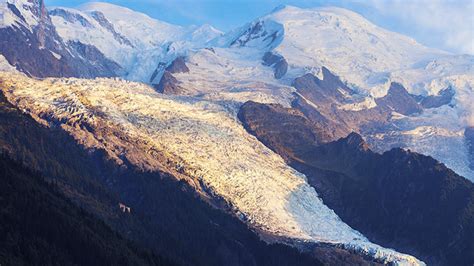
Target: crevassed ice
(212,145)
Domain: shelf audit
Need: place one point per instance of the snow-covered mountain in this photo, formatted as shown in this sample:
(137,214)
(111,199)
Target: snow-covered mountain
(30,43)
(139,45)
(366,57)
(363,54)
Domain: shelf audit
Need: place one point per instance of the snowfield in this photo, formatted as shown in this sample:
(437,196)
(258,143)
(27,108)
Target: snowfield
(8,18)
(366,56)
(206,141)
(134,40)
(224,74)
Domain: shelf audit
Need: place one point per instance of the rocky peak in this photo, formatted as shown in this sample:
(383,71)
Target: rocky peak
(104,22)
(355,141)
(333,82)
(168,84)
(70,17)
(444,97)
(397,89)
(329,87)
(278,62)
(33,46)
(399,100)
(260,33)
(178,66)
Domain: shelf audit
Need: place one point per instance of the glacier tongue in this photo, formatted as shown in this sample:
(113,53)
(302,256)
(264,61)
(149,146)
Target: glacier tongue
(205,141)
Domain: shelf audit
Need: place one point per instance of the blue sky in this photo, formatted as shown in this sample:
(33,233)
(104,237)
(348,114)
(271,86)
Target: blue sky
(444,24)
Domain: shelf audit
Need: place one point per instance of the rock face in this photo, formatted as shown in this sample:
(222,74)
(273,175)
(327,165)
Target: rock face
(400,199)
(103,65)
(444,97)
(399,100)
(322,91)
(469,136)
(321,100)
(38,51)
(99,16)
(331,101)
(178,66)
(168,84)
(278,62)
(257,33)
(274,123)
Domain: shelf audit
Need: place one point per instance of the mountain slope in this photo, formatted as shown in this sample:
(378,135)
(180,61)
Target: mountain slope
(168,216)
(138,45)
(400,199)
(137,127)
(398,119)
(29,42)
(41,227)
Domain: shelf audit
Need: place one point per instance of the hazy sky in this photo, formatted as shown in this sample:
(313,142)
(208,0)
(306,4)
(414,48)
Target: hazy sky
(445,24)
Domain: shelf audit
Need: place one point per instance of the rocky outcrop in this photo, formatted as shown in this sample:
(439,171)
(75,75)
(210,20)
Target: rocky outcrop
(159,69)
(178,66)
(444,97)
(274,123)
(278,62)
(319,99)
(15,11)
(70,17)
(104,66)
(398,199)
(324,100)
(324,91)
(399,100)
(99,17)
(168,84)
(254,31)
(469,138)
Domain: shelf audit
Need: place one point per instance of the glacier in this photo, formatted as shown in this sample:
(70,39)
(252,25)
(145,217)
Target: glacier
(204,140)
